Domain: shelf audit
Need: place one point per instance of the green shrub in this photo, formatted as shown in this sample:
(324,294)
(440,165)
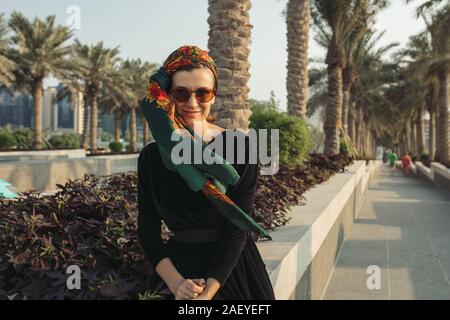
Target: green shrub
(295,141)
(66,140)
(115,146)
(24,137)
(7,139)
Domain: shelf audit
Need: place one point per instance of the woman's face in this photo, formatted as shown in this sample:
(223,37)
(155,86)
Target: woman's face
(193,110)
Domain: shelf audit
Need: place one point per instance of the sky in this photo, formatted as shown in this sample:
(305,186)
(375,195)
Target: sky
(152,29)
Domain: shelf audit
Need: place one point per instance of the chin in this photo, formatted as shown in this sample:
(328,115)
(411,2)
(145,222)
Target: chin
(190,121)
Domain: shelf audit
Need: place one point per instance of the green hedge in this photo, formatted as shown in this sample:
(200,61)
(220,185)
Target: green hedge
(65,140)
(294,135)
(116,146)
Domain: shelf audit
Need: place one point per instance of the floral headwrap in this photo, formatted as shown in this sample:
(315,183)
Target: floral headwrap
(212,179)
(189,55)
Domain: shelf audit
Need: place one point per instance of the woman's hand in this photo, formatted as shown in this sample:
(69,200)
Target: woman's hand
(189,289)
(212,286)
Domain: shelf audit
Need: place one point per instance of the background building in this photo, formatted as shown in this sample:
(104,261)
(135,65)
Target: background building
(16,109)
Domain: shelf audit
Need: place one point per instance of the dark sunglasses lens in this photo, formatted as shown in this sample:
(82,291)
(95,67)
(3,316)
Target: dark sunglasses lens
(181,94)
(204,95)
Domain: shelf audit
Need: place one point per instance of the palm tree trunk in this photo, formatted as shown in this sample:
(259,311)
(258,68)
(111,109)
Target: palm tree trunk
(362,147)
(94,116)
(117,125)
(333,122)
(347,83)
(351,124)
(419,126)
(408,139)
(228,43)
(358,128)
(84,138)
(132,129)
(345,111)
(297,20)
(432,136)
(443,97)
(145,130)
(414,136)
(37,100)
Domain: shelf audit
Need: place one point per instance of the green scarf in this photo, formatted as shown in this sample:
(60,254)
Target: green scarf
(212,179)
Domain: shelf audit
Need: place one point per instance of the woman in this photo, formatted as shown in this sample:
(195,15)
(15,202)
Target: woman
(212,255)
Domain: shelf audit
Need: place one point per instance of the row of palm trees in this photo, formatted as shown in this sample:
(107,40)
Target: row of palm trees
(424,76)
(367,99)
(31,51)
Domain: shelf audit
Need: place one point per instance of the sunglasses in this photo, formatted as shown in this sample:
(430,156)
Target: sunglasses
(201,94)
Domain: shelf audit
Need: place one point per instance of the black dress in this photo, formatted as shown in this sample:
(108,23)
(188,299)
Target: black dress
(234,260)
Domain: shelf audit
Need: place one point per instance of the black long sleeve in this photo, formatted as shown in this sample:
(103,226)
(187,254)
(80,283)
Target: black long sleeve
(232,244)
(149,221)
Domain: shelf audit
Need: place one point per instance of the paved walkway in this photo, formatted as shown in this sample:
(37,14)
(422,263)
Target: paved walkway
(402,235)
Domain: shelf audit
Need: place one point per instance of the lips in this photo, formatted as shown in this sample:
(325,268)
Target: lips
(191,112)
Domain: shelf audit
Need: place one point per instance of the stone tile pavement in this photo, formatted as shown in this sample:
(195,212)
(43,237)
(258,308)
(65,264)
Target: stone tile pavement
(399,246)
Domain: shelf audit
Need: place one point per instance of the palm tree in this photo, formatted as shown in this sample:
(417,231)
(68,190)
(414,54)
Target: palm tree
(40,49)
(136,74)
(297,21)
(440,68)
(228,43)
(98,71)
(431,105)
(438,65)
(427,5)
(6,65)
(338,19)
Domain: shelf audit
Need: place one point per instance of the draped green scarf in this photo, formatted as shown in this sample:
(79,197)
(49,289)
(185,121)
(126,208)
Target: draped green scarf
(212,179)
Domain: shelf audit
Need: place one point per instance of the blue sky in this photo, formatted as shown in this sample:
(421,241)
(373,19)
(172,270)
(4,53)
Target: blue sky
(151,29)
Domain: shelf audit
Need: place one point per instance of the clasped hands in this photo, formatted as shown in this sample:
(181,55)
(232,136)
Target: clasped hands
(194,289)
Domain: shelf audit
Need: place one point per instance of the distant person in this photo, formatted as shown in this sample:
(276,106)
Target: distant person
(406,163)
(392,158)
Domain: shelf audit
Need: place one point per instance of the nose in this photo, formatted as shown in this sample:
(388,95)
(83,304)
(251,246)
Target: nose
(192,102)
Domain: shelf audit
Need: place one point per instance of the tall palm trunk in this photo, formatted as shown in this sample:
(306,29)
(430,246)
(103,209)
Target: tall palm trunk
(362,140)
(419,132)
(84,137)
(332,125)
(132,129)
(297,20)
(358,128)
(94,119)
(347,83)
(351,125)
(443,103)
(432,136)
(117,125)
(228,43)
(413,137)
(408,138)
(37,100)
